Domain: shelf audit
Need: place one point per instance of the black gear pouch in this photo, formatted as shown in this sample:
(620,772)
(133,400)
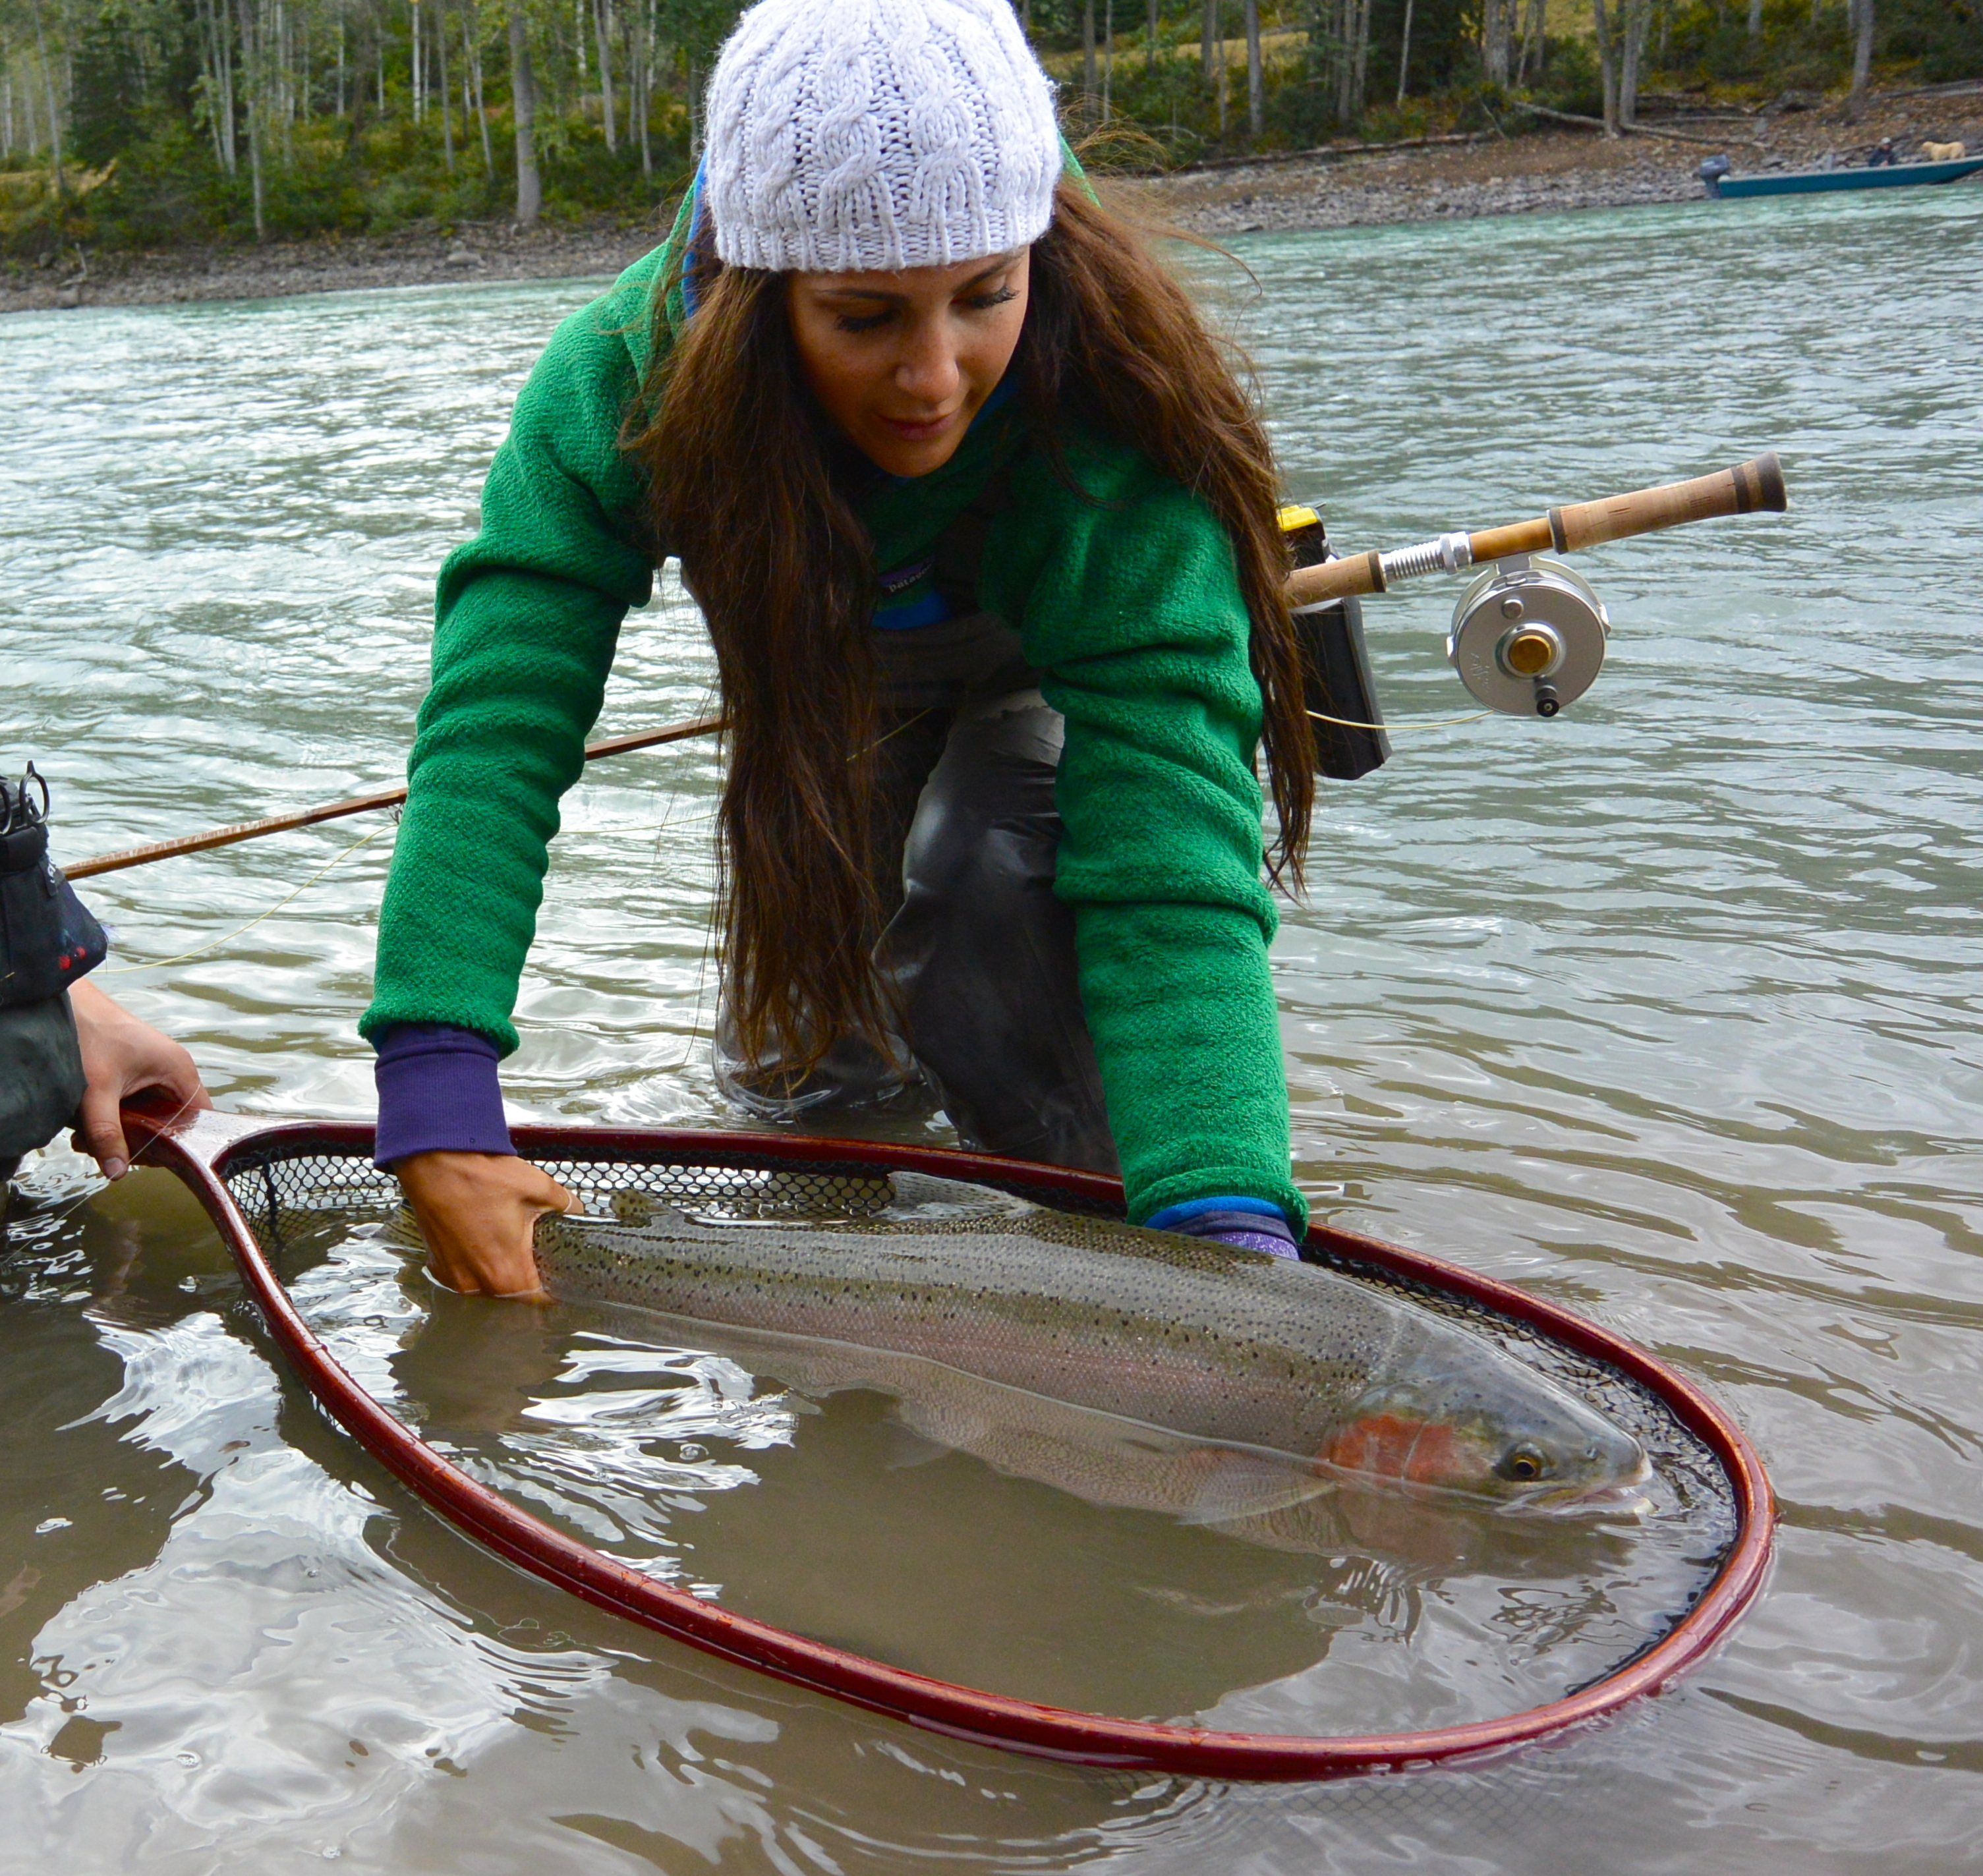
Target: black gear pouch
(48,942)
(1349,738)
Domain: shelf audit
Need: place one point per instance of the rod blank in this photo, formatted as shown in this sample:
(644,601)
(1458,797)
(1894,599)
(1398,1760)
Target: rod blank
(357,805)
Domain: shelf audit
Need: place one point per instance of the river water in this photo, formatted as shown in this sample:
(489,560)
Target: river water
(1666,1010)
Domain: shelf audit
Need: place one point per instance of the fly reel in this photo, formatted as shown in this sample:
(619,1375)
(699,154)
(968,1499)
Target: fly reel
(1528,637)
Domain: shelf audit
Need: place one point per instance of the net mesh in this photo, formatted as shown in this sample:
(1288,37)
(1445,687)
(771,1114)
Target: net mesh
(297,1196)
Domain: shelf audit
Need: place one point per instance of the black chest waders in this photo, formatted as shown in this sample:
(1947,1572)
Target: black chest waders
(48,942)
(977,951)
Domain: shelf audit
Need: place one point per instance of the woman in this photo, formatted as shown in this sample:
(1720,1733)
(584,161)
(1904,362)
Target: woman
(983,533)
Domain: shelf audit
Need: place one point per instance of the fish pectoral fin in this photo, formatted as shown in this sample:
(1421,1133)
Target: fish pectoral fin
(908,1449)
(942,1427)
(1246,1485)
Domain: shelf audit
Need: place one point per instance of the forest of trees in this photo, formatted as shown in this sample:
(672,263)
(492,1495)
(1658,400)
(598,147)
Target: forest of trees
(162,122)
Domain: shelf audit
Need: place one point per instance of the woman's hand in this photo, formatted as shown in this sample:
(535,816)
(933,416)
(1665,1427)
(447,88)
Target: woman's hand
(121,1057)
(478,1212)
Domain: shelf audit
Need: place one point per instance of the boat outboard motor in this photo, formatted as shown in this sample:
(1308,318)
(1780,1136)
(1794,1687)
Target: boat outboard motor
(1712,170)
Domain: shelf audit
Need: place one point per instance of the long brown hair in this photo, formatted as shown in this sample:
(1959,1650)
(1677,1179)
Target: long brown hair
(748,485)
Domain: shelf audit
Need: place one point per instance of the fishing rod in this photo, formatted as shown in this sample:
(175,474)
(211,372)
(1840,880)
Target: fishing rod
(1528,634)
(357,805)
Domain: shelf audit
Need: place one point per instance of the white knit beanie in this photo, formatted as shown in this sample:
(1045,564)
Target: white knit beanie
(857,135)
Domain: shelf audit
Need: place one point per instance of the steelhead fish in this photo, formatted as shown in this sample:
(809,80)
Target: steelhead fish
(1214,1370)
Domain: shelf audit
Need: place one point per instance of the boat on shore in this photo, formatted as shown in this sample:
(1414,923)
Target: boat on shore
(1714,174)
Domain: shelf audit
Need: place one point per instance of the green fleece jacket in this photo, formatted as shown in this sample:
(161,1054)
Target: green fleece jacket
(1127,601)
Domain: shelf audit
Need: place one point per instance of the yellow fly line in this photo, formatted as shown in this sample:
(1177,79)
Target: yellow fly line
(1437,723)
(156,964)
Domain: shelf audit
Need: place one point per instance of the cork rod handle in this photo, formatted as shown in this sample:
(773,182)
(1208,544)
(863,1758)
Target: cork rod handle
(1758,483)
(1744,489)
(1334,579)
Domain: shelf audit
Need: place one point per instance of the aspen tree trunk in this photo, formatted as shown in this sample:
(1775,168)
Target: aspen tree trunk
(646,104)
(1225,71)
(1207,36)
(224,39)
(1534,40)
(1861,15)
(1088,84)
(1606,65)
(209,72)
(1255,78)
(1638,21)
(252,100)
(1108,55)
(340,65)
(474,45)
(1755,19)
(1344,14)
(602,20)
(1405,51)
(1494,36)
(1150,40)
(523,90)
(447,108)
(48,86)
(414,47)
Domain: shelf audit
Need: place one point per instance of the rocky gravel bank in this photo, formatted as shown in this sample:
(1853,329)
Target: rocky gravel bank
(1553,170)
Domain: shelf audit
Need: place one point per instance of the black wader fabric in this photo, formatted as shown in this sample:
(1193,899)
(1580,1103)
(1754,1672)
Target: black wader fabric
(979,951)
(41,1076)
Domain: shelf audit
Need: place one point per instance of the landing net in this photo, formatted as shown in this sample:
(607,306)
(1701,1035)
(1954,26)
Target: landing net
(277,1192)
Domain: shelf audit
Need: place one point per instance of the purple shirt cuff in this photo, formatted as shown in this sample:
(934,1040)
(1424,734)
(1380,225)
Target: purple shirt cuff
(1249,1229)
(438,1093)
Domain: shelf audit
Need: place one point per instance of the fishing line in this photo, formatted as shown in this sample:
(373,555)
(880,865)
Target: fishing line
(696,1025)
(1439,723)
(187,957)
(669,823)
(83,1197)
(666,825)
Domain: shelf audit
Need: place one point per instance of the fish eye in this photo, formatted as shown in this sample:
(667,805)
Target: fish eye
(1523,1464)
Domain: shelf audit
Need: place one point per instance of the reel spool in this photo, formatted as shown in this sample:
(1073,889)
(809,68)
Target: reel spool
(1528,637)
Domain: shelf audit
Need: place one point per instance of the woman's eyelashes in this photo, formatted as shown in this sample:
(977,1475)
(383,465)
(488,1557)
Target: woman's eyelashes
(873,322)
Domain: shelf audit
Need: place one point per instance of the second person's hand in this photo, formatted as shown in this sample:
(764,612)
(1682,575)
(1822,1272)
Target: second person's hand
(478,1213)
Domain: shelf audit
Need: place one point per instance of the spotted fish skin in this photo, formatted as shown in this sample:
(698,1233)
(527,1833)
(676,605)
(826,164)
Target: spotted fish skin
(1219,1344)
